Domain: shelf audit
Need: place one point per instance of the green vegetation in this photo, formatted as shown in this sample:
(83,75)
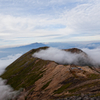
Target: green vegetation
(94,76)
(96,95)
(25,71)
(84,87)
(46,85)
(62,88)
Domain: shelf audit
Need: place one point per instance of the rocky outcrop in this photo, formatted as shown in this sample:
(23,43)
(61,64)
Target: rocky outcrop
(75,50)
(81,97)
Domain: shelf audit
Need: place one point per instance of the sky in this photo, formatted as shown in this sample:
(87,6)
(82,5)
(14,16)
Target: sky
(29,21)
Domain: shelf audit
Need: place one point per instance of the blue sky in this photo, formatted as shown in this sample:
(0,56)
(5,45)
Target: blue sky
(29,21)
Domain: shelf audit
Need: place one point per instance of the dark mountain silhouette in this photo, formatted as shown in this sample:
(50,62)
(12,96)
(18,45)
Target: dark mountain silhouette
(21,49)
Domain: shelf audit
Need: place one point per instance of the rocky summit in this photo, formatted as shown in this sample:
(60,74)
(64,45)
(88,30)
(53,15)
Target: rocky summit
(39,79)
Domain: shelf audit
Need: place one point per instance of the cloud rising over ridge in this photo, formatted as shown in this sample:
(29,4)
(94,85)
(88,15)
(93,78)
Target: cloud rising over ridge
(94,54)
(6,91)
(63,57)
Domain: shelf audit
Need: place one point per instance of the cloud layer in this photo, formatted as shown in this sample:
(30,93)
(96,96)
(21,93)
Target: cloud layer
(94,54)
(63,57)
(6,91)
(27,21)
(4,62)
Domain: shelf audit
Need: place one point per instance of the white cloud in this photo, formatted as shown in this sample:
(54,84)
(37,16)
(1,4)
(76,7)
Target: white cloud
(4,62)
(64,57)
(85,38)
(54,19)
(13,27)
(6,91)
(84,19)
(94,54)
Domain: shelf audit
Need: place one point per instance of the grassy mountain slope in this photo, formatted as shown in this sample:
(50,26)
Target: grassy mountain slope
(46,80)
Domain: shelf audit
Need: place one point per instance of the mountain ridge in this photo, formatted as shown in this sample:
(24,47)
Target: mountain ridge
(46,80)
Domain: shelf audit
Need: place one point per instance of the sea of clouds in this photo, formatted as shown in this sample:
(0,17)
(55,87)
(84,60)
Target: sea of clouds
(6,91)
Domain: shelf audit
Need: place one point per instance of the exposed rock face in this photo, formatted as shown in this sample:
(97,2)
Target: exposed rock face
(75,50)
(46,80)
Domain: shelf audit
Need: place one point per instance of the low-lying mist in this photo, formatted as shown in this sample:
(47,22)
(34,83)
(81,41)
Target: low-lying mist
(6,91)
(94,54)
(65,57)
(4,62)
